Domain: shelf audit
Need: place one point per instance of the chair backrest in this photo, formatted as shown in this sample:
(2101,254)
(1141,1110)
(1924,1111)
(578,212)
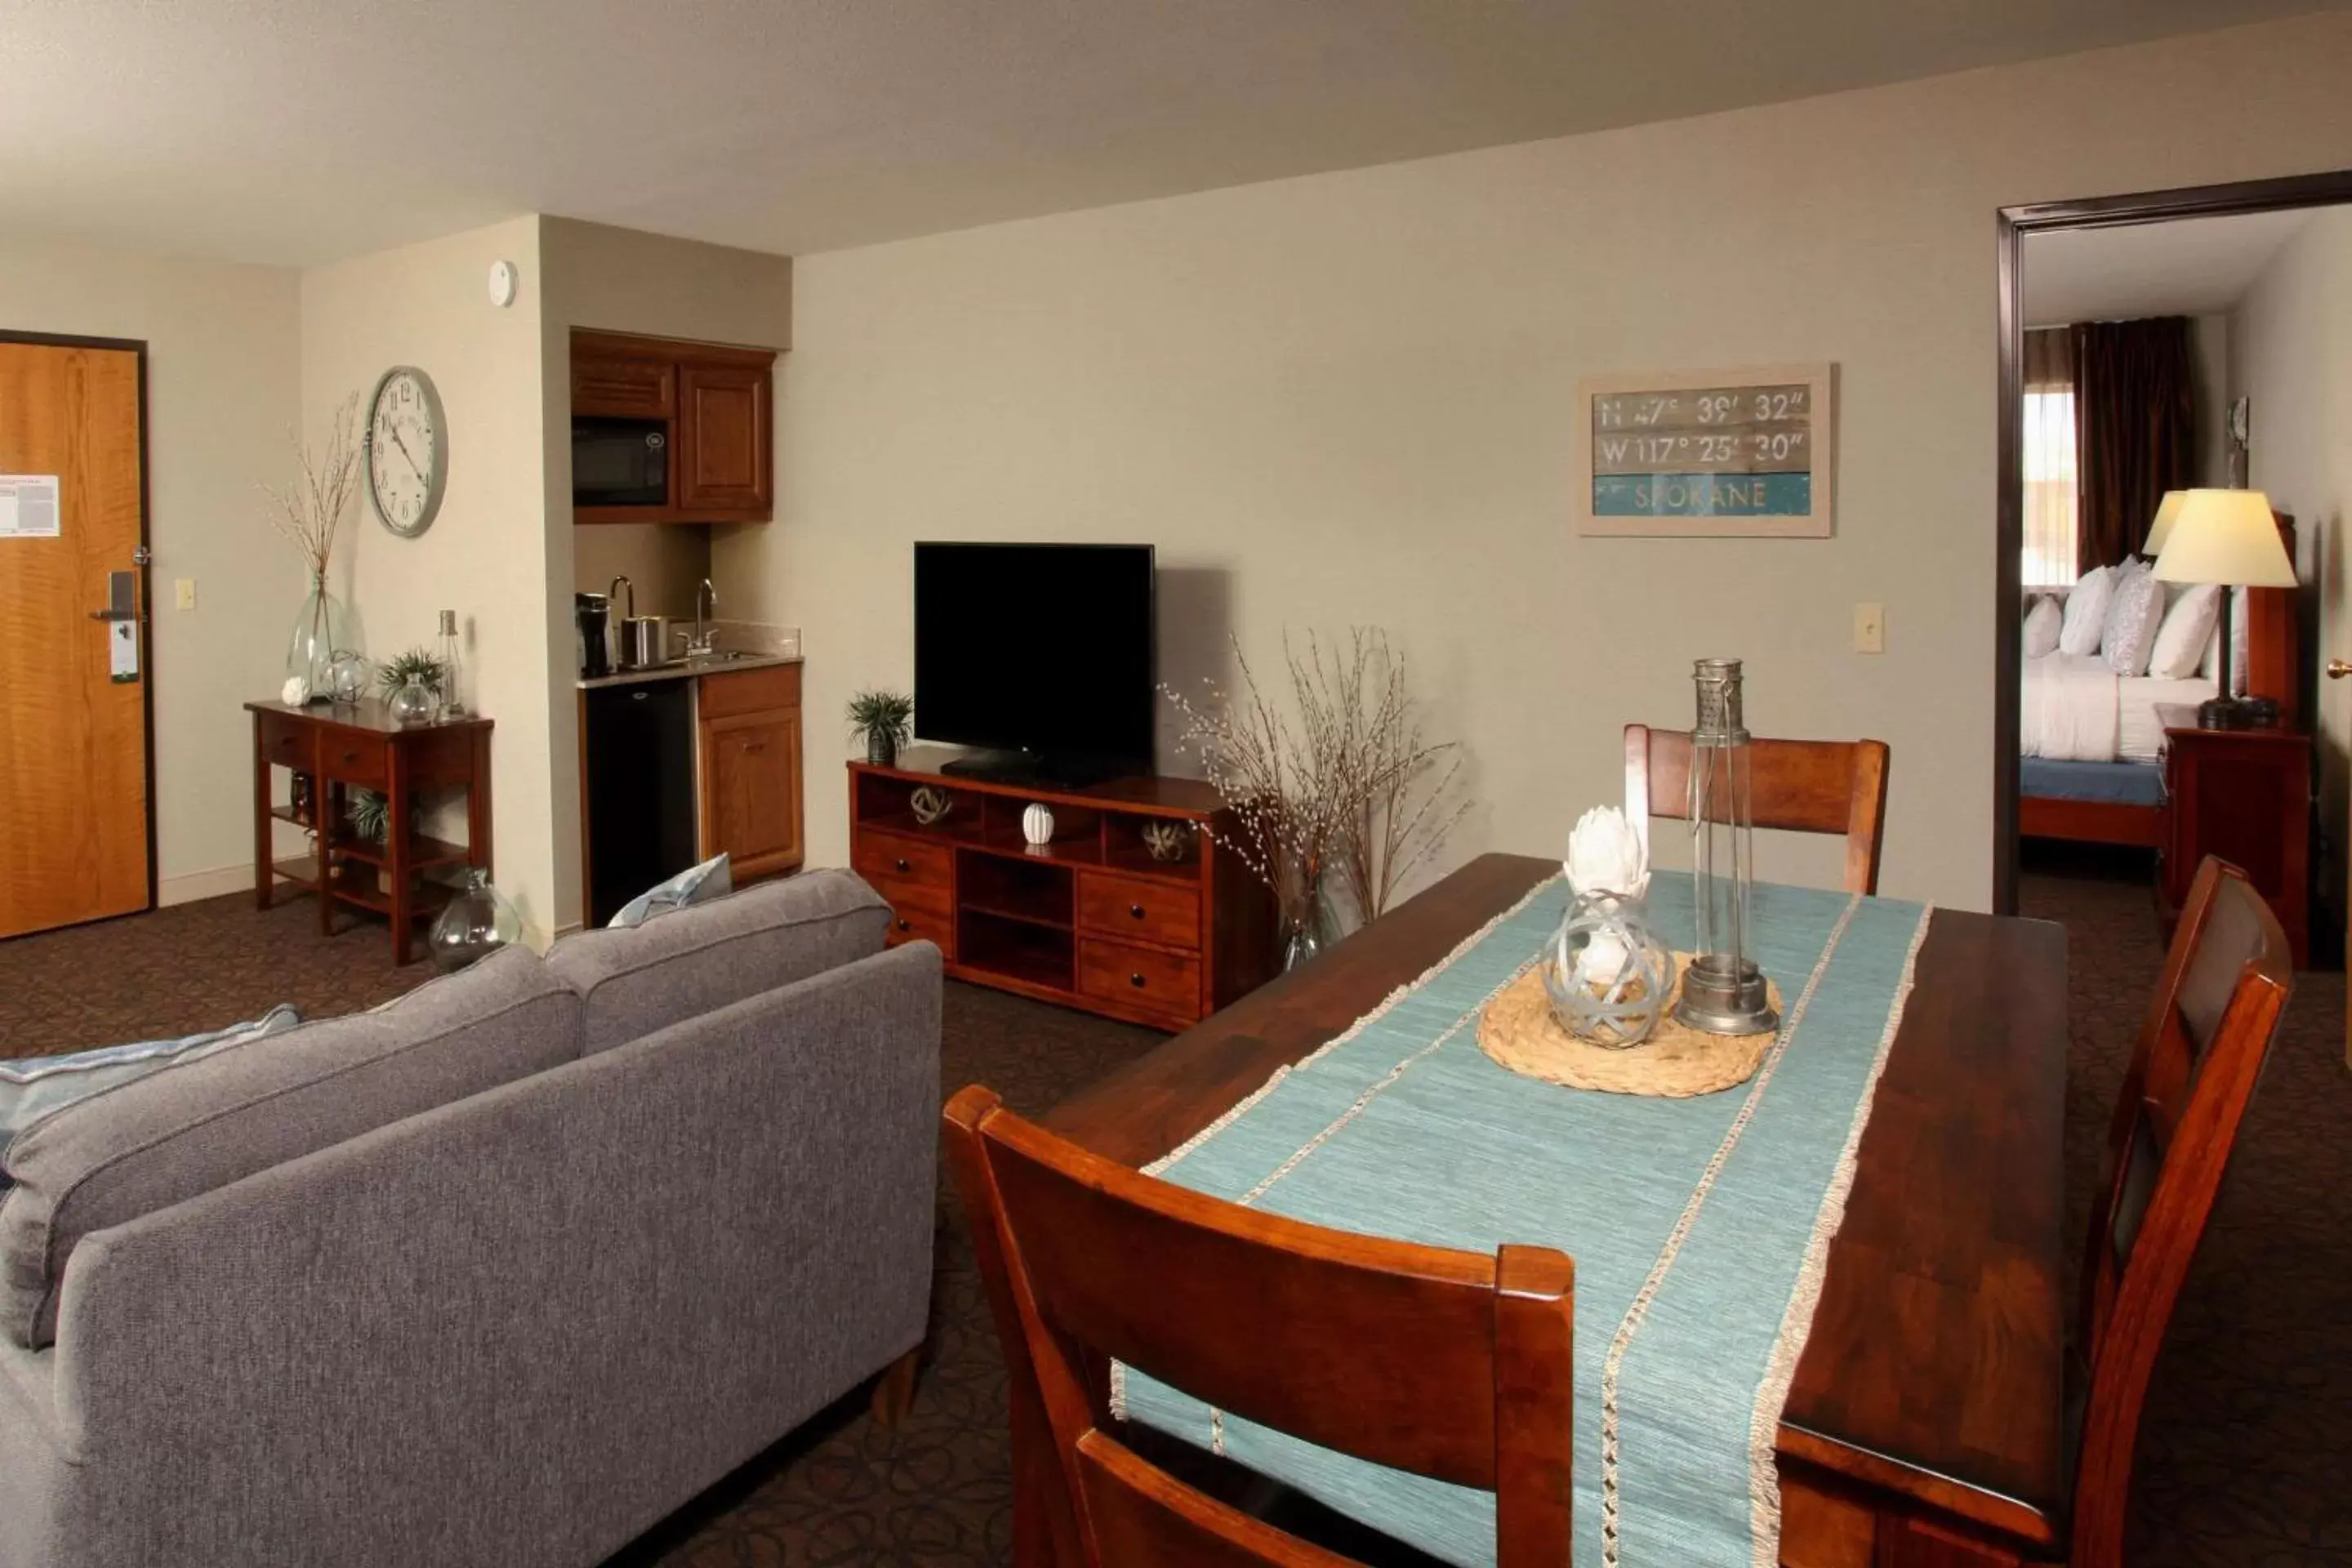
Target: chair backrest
(1800,786)
(2201,1049)
(1449,1364)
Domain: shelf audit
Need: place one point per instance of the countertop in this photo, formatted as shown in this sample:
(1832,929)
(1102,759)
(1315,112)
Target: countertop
(690,668)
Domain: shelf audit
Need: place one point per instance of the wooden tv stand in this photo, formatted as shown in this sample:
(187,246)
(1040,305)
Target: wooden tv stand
(1090,920)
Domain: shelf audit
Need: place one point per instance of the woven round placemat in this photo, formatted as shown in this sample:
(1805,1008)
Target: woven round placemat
(1674,1063)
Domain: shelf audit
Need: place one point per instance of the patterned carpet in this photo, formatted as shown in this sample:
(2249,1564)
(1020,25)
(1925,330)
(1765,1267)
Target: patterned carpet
(2244,1452)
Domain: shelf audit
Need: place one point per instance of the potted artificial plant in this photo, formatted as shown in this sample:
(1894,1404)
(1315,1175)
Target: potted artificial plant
(887,719)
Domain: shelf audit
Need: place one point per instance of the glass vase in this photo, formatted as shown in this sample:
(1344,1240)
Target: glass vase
(415,703)
(1607,971)
(479,921)
(1305,922)
(323,631)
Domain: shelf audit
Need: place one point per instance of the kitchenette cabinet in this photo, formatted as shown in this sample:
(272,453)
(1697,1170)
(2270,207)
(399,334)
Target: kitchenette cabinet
(706,411)
(680,764)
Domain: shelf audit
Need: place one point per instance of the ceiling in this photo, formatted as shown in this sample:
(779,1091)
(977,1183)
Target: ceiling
(2191,267)
(296,130)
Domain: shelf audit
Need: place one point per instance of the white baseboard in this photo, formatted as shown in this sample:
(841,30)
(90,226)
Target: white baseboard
(213,884)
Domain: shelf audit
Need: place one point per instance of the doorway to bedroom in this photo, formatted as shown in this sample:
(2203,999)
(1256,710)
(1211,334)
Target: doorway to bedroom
(2175,364)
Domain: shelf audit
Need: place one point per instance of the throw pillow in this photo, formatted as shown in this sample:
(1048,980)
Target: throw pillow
(2086,613)
(2132,623)
(2188,627)
(33,1087)
(2043,621)
(695,885)
(2131,570)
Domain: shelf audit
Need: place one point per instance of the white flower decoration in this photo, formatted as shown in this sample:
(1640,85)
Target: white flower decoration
(1606,856)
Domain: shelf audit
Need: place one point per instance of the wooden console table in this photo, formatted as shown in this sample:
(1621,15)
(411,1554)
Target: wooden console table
(1089,919)
(336,748)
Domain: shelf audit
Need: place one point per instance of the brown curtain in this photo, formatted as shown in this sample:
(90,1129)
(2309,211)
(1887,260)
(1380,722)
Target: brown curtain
(2135,429)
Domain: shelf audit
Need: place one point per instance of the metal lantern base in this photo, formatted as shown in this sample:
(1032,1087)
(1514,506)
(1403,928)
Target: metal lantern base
(1721,999)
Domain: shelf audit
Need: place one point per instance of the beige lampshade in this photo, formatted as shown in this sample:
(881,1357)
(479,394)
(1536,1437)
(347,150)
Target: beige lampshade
(2225,536)
(2167,512)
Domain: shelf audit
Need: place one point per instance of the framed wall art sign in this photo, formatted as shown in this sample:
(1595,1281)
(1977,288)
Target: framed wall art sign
(1707,453)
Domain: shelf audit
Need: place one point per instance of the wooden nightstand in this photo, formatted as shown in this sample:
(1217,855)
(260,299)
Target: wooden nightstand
(2245,795)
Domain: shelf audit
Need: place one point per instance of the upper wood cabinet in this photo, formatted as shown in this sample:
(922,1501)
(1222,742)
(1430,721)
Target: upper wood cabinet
(725,436)
(718,403)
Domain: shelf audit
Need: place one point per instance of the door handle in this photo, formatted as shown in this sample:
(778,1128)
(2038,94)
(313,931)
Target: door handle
(2338,670)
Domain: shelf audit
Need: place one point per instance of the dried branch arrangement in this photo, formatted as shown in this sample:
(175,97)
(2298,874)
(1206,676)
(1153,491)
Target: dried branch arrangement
(1341,781)
(310,512)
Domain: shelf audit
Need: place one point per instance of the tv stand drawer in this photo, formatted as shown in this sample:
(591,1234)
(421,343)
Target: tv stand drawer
(1121,906)
(883,857)
(911,922)
(1167,983)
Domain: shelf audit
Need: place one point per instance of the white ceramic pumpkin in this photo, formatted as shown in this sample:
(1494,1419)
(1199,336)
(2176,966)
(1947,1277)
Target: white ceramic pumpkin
(1037,824)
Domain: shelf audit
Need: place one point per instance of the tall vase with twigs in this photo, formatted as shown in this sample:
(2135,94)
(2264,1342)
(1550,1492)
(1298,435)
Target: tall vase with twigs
(1336,785)
(308,513)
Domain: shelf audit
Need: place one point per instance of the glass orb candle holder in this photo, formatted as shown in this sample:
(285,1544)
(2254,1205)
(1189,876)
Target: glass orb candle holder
(1607,972)
(415,703)
(477,922)
(347,679)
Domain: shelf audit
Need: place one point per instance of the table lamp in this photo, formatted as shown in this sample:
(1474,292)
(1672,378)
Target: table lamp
(2228,538)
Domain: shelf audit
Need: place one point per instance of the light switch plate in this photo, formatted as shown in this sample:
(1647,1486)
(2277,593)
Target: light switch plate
(1870,628)
(185,591)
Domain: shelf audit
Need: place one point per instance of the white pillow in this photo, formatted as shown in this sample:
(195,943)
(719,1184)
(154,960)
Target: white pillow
(2086,612)
(2042,623)
(2118,577)
(2134,615)
(2188,627)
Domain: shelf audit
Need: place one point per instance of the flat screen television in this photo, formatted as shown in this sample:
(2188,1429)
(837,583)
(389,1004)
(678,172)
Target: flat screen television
(1044,655)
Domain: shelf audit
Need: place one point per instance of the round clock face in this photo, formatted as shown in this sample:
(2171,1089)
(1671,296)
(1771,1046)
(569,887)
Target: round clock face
(407,451)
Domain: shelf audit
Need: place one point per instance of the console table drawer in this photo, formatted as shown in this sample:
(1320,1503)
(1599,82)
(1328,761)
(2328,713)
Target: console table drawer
(285,742)
(886,857)
(1154,911)
(1166,983)
(909,922)
(354,760)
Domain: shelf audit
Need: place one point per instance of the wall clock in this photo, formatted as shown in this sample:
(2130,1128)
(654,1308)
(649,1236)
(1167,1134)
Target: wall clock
(407,450)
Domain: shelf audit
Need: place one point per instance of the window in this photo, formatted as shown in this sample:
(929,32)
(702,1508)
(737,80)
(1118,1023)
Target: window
(2048,447)
(2049,499)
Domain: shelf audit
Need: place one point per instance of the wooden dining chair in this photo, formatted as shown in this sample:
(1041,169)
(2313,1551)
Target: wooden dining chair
(1800,787)
(2201,1050)
(1450,1364)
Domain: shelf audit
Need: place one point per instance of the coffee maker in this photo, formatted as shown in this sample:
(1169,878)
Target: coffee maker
(594,615)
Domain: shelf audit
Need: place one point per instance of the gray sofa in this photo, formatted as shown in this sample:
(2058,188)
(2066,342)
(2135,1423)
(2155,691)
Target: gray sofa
(502,1272)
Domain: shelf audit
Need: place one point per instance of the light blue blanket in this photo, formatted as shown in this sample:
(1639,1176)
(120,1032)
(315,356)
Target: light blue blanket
(1698,1226)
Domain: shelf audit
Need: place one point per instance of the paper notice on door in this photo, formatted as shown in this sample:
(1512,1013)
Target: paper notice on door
(29,505)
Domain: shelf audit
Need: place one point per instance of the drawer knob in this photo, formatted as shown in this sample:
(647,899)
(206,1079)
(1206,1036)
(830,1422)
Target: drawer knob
(902,865)
(904,926)
(1136,981)
(1135,909)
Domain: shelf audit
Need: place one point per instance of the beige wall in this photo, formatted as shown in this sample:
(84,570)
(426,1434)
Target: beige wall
(1348,398)
(486,556)
(2291,353)
(623,280)
(223,376)
(2209,367)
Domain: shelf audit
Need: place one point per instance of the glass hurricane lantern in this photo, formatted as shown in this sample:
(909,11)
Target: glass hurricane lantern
(1723,988)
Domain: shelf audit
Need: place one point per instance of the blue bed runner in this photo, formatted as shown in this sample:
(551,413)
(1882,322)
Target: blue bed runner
(1699,1227)
(2119,783)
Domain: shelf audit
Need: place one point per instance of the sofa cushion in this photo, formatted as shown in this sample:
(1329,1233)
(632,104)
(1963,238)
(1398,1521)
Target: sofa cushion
(703,884)
(706,956)
(145,1146)
(35,1087)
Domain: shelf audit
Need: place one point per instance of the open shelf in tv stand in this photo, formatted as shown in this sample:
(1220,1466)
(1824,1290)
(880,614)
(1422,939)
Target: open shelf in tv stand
(1089,919)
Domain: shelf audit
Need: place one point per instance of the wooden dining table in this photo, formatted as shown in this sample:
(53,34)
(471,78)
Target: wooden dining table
(1924,1424)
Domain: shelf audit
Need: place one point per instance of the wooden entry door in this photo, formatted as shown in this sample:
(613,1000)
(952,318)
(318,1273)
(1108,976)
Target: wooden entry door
(73,810)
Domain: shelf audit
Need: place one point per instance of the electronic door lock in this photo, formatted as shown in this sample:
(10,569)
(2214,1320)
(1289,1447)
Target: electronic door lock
(121,598)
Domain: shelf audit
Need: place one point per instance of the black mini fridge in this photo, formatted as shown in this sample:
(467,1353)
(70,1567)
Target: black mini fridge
(639,790)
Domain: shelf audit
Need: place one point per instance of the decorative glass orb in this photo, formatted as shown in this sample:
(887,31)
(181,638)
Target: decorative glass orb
(1606,972)
(415,703)
(477,922)
(347,677)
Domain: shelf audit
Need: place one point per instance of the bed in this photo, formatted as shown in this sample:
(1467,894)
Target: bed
(2090,745)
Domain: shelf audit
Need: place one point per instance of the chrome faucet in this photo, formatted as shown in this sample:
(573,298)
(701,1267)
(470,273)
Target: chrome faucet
(705,640)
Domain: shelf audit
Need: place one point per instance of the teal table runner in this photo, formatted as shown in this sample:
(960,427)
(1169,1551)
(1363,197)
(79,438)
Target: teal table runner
(1699,1227)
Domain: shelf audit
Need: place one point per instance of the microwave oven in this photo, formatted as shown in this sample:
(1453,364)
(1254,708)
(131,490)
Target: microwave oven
(620,462)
